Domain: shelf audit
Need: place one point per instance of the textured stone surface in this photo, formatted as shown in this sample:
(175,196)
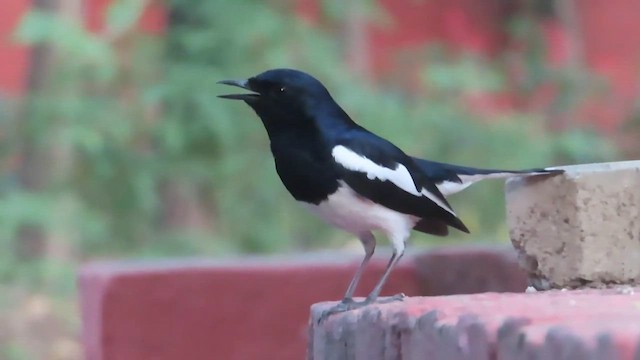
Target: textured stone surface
(578,229)
(577,324)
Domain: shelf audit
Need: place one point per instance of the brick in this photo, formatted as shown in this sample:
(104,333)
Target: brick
(210,310)
(580,228)
(470,270)
(203,309)
(577,324)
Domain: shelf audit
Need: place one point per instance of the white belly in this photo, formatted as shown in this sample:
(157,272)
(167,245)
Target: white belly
(351,212)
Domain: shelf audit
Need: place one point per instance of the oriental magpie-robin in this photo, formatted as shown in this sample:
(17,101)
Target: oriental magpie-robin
(350,177)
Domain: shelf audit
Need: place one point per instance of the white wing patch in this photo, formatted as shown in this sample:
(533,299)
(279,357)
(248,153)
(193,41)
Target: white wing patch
(399,176)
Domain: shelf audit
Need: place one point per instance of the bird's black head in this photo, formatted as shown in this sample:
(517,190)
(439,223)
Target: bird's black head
(284,88)
(285,98)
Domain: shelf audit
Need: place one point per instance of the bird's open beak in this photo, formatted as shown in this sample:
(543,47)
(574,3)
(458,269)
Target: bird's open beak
(242,84)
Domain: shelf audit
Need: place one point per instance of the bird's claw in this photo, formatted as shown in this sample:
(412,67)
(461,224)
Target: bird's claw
(347,300)
(348,304)
(390,299)
(343,306)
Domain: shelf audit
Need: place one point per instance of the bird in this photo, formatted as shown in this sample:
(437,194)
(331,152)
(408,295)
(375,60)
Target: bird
(350,177)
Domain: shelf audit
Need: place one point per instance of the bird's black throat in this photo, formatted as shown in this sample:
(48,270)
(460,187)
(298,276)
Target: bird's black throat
(302,158)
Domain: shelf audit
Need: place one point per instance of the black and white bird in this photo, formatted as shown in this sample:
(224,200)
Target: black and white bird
(350,177)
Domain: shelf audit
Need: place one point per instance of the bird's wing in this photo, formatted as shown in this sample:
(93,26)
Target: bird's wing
(451,179)
(380,172)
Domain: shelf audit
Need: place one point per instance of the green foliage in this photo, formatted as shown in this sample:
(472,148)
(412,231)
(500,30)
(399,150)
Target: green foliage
(79,47)
(122,15)
(14,351)
(140,122)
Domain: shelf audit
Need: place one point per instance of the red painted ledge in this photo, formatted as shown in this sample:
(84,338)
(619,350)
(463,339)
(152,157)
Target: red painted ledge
(246,308)
(586,324)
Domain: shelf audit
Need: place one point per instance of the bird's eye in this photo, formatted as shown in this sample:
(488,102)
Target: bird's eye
(282,89)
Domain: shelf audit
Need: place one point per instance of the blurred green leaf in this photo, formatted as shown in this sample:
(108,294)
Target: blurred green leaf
(122,15)
(36,26)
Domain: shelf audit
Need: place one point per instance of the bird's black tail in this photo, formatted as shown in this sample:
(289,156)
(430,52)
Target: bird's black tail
(439,172)
(451,179)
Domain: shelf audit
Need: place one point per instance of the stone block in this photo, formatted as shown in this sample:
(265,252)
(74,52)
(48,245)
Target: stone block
(581,228)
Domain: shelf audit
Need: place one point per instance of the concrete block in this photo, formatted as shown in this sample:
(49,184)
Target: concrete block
(578,229)
(576,324)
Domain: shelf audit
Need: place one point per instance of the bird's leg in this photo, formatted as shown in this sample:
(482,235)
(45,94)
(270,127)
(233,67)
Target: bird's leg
(373,296)
(347,303)
(369,243)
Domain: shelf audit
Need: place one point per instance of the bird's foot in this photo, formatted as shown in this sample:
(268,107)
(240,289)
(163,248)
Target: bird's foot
(345,305)
(348,304)
(390,299)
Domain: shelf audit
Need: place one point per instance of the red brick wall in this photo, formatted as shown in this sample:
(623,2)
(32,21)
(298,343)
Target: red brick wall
(610,43)
(13,69)
(611,38)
